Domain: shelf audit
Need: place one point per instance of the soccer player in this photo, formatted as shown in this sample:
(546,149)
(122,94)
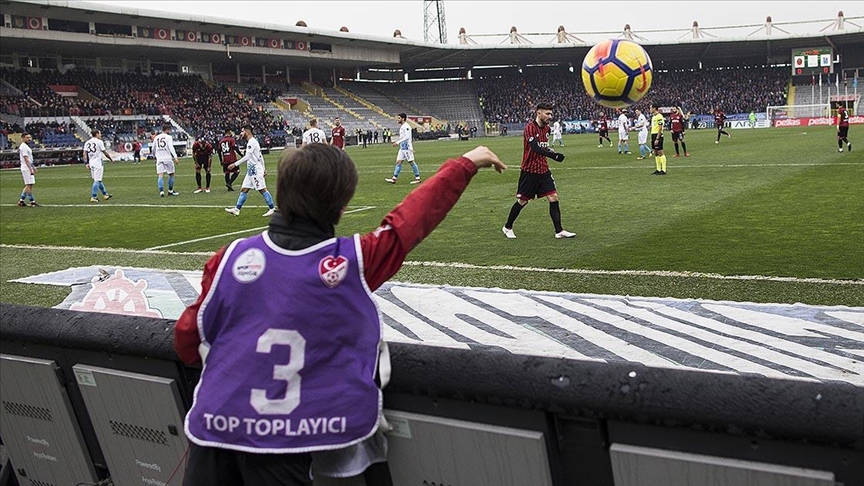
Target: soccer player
(338,134)
(678,125)
(300,298)
(657,122)
(406,150)
(255,174)
(556,134)
(603,130)
(202,151)
(623,133)
(719,121)
(94,149)
(28,170)
(136,149)
(314,134)
(228,153)
(166,159)
(843,129)
(752,119)
(535,178)
(642,125)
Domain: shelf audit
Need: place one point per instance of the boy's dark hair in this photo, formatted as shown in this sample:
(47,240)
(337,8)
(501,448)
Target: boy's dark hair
(247,127)
(543,105)
(402,116)
(315,182)
(227,131)
(95,132)
(166,128)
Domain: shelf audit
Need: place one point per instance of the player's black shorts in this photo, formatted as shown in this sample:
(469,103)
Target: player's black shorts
(225,168)
(535,185)
(202,162)
(657,141)
(719,126)
(137,154)
(842,132)
(676,136)
(603,133)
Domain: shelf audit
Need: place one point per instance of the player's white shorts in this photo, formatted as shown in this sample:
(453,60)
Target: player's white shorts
(405,155)
(643,137)
(622,135)
(254,182)
(97,172)
(556,136)
(28,177)
(164,166)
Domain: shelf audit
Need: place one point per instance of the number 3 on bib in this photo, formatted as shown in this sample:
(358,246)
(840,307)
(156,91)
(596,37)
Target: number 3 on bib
(289,373)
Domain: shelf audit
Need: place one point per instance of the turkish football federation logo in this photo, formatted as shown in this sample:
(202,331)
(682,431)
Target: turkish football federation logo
(333,270)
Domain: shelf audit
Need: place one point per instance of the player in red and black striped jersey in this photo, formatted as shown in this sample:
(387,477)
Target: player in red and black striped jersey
(843,129)
(719,121)
(228,153)
(602,126)
(678,124)
(535,179)
(202,152)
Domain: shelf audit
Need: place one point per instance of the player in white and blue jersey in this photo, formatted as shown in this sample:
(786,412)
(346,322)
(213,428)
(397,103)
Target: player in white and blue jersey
(255,174)
(93,151)
(406,150)
(166,159)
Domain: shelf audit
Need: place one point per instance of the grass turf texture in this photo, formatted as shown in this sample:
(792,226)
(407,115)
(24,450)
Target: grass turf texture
(777,202)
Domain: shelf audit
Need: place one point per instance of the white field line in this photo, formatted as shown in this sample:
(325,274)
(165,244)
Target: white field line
(196,240)
(506,268)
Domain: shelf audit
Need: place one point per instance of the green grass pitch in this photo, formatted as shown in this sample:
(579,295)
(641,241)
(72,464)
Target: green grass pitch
(781,206)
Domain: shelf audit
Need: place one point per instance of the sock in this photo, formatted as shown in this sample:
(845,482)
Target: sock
(600,140)
(30,196)
(415,169)
(241,200)
(397,170)
(514,213)
(684,147)
(676,149)
(170,182)
(657,162)
(198,179)
(207,177)
(626,147)
(234,176)
(23,196)
(227,178)
(94,188)
(268,199)
(555,214)
(102,188)
(663,163)
(161,184)
(840,143)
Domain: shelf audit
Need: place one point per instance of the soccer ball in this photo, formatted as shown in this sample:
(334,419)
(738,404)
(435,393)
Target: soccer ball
(617,73)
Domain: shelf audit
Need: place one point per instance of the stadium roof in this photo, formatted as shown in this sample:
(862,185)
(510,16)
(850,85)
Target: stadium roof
(713,47)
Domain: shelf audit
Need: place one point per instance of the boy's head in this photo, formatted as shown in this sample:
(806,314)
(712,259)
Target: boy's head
(315,182)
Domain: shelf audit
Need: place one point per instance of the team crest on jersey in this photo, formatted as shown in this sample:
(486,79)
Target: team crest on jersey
(333,270)
(249,265)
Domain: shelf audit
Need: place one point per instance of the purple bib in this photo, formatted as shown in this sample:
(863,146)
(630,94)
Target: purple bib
(293,348)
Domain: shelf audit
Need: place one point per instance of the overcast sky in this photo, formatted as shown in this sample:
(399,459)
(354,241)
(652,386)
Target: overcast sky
(381,18)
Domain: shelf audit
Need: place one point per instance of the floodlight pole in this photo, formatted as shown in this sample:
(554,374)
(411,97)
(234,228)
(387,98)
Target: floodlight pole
(433,13)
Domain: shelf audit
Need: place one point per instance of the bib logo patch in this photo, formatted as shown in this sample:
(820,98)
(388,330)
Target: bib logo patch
(249,266)
(333,270)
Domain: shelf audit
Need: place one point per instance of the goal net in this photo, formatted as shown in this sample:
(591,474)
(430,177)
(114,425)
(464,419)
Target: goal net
(822,110)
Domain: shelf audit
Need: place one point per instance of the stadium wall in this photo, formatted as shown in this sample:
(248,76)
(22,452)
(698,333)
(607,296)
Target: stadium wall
(503,416)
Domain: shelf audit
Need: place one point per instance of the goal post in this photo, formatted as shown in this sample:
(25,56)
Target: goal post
(821,110)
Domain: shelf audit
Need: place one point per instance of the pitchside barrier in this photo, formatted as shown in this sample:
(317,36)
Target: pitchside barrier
(88,396)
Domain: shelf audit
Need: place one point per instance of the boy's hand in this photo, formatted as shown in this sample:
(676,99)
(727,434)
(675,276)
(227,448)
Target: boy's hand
(483,157)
